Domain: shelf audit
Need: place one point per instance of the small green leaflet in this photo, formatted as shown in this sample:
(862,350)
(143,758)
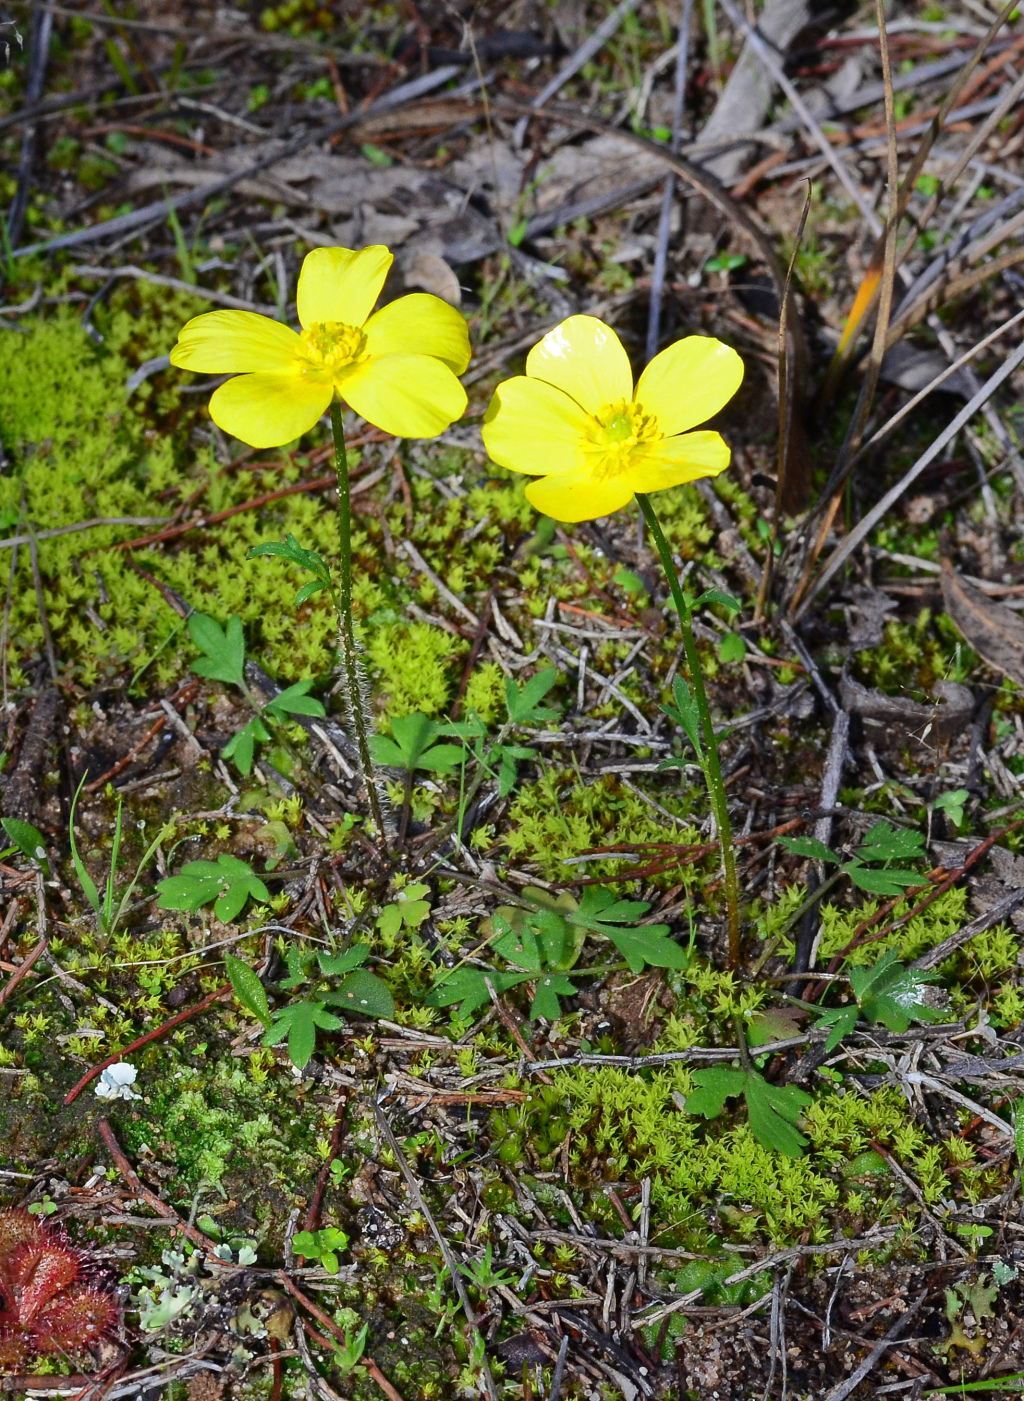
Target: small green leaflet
(508,754)
(360,991)
(321,1245)
(952,804)
(309,560)
(413,746)
(298,1022)
(227,881)
(686,714)
(600,912)
(523,702)
(248,988)
(842,1020)
(241,747)
(29,841)
(888,993)
(545,1002)
(732,648)
(338,964)
(295,700)
(725,262)
(887,843)
(469,987)
(891,993)
(365,993)
(223,650)
(886,882)
(718,596)
(626,579)
(409,909)
(544,943)
(809,847)
(773,1110)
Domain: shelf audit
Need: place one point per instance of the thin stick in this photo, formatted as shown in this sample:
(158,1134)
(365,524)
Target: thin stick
(586,51)
(776,70)
(446,1254)
(151,1199)
(911,404)
(23,968)
(668,197)
(312,1220)
(122,764)
(871,519)
(869,384)
(868,290)
(200,1006)
(13,541)
(5,629)
(172,532)
(855,1378)
(785,412)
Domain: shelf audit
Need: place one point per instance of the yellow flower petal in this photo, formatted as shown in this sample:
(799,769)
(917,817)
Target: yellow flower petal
(419,325)
(337,284)
(412,396)
(268,410)
(532,427)
(234,342)
(689,382)
(676,460)
(576,496)
(586,359)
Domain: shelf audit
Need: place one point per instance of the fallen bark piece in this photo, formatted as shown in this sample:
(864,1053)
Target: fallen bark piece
(996,633)
(953,708)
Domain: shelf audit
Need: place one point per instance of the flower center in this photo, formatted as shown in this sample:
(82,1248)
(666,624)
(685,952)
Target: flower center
(620,429)
(331,344)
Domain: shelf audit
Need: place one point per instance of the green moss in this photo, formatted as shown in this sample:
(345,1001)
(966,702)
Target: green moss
(416,667)
(80,450)
(943,917)
(485,693)
(913,656)
(557,817)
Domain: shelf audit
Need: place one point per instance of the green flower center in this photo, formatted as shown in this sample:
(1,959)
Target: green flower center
(622,428)
(332,344)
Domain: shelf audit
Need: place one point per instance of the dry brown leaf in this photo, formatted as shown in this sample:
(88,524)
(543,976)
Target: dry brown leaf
(995,633)
(954,705)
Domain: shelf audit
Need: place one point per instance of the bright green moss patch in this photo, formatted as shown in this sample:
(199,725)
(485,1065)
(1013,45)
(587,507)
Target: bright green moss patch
(558,817)
(416,665)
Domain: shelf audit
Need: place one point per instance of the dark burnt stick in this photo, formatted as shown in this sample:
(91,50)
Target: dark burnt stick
(23,788)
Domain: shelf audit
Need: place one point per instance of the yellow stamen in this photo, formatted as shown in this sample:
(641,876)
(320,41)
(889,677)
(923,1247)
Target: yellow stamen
(331,345)
(621,428)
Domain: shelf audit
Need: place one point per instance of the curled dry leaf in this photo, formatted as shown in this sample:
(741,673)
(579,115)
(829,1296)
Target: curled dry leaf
(996,633)
(953,708)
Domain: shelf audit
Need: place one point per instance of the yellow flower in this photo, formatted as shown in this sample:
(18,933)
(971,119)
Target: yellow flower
(575,421)
(396,368)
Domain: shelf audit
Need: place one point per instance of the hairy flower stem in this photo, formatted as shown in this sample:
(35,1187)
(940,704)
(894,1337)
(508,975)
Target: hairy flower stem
(343,603)
(710,762)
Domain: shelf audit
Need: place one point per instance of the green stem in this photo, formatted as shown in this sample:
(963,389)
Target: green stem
(343,603)
(711,765)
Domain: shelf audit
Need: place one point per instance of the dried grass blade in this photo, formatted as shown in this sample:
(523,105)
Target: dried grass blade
(785,413)
(868,522)
(868,290)
(865,399)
